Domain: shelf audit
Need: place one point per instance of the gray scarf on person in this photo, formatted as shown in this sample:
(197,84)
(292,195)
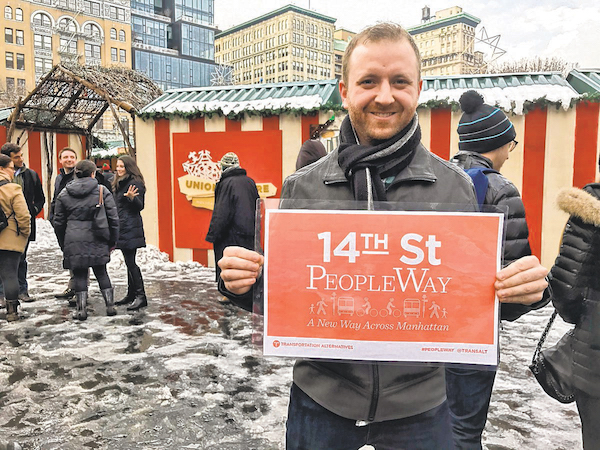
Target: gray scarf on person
(365,166)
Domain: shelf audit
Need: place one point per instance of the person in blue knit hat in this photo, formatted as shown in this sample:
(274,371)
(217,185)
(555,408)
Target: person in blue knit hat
(486,138)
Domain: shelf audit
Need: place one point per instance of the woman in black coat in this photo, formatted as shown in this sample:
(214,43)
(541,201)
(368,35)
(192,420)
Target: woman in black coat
(575,284)
(129,190)
(82,247)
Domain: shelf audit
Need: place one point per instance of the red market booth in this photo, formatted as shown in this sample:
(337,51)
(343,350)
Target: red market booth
(184,133)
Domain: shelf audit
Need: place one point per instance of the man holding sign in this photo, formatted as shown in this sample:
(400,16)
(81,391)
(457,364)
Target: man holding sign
(380,158)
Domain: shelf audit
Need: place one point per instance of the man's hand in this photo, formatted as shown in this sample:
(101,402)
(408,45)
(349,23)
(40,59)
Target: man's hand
(240,268)
(522,282)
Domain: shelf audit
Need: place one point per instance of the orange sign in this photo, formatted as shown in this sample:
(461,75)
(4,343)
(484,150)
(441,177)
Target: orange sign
(374,285)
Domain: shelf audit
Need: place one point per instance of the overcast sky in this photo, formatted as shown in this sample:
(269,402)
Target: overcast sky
(569,29)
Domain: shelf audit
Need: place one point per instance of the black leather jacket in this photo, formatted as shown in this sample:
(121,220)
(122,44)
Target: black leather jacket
(575,282)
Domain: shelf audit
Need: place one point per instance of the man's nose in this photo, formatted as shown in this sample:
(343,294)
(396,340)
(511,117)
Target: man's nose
(384,94)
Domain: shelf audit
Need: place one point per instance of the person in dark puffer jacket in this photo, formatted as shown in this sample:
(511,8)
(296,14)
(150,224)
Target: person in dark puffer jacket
(82,248)
(130,190)
(486,137)
(575,287)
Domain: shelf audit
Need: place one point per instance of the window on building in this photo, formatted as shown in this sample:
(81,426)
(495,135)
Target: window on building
(19,15)
(19,37)
(117,13)
(113,34)
(113,54)
(10,84)
(92,51)
(91,8)
(8,13)
(92,30)
(20,61)
(68,45)
(122,56)
(42,66)
(21,85)
(8,35)
(67,25)
(122,36)
(67,4)
(42,19)
(9,60)
(42,41)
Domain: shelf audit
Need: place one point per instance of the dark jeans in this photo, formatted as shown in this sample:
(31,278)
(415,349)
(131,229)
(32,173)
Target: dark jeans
(469,392)
(9,263)
(312,427)
(80,278)
(589,412)
(21,273)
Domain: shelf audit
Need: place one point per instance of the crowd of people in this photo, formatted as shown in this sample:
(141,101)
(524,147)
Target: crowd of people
(339,405)
(83,197)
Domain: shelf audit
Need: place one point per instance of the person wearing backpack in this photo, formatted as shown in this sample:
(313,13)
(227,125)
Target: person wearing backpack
(16,226)
(486,138)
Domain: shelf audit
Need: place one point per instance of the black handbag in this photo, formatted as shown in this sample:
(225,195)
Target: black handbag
(100,221)
(553,367)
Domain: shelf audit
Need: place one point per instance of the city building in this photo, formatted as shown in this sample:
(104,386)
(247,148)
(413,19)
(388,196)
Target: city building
(41,33)
(447,42)
(341,38)
(288,44)
(173,41)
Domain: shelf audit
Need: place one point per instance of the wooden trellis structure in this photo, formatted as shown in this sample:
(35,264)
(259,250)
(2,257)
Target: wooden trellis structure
(71,98)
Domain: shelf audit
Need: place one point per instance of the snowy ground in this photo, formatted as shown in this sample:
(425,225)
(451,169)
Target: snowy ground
(182,374)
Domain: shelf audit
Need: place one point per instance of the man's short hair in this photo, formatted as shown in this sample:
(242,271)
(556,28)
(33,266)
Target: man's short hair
(385,31)
(67,149)
(9,148)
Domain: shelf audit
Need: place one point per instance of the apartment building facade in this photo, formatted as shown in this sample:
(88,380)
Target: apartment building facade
(173,41)
(447,42)
(41,33)
(288,44)
(341,39)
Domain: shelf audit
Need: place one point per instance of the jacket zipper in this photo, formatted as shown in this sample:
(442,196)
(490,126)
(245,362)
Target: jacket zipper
(375,398)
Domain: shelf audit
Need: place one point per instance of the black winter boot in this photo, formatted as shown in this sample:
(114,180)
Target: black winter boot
(11,310)
(109,300)
(140,300)
(81,298)
(130,291)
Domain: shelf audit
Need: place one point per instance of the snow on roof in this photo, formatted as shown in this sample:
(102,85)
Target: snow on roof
(510,92)
(236,107)
(234,100)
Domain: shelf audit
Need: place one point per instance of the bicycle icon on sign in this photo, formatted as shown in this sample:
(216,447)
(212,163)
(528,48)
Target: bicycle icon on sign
(367,310)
